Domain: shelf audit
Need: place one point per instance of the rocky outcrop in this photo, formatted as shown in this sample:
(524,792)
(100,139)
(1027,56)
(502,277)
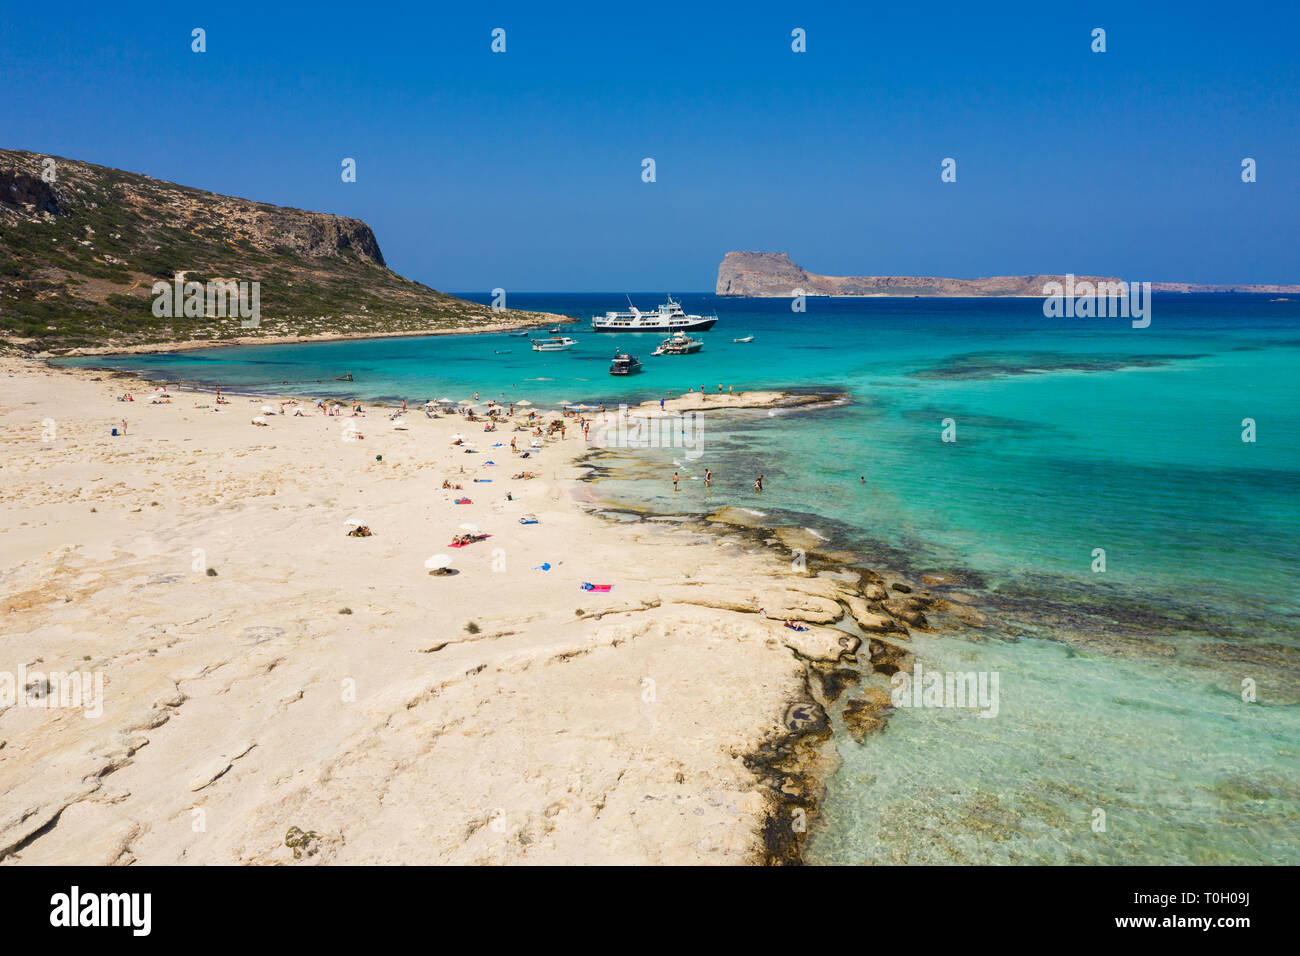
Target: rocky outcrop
(22,191)
(773,274)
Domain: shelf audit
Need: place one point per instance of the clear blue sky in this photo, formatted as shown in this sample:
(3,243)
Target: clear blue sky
(523,169)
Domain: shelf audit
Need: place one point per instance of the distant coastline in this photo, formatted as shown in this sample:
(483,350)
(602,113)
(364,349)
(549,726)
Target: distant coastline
(775,275)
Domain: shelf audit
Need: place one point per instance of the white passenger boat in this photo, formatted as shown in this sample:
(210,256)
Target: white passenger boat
(669,317)
(557,344)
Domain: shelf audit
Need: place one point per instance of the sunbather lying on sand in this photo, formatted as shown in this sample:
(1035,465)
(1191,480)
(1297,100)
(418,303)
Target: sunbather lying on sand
(525,475)
(460,540)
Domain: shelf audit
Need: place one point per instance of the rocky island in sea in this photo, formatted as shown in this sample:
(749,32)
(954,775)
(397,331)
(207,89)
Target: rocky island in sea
(763,274)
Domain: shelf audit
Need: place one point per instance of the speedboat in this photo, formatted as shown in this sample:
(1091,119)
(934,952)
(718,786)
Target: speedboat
(747,338)
(520,335)
(669,317)
(554,331)
(502,351)
(624,364)
(557,344)
(679,343)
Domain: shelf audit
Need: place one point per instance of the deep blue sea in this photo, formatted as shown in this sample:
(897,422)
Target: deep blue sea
(1122,735)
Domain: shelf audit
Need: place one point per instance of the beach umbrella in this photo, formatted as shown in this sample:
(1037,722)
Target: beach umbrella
(268,410)
(466,401)
(446,401)
(437,562)
(523,403)
(354,522)
(458,437)
(471,528)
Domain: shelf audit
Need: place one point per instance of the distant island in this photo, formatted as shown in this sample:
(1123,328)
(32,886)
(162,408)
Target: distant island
(83,248)
(773,274)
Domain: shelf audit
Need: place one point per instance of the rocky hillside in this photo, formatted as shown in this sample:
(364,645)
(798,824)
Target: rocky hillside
(761,274)
(81,247)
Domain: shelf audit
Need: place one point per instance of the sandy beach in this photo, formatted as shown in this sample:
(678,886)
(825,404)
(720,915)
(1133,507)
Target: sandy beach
(263,671)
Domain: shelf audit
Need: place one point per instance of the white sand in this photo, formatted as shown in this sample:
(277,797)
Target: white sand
(240,705)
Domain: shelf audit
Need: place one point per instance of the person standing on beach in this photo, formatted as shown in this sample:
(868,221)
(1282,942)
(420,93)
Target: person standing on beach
(661,404)
(674,480)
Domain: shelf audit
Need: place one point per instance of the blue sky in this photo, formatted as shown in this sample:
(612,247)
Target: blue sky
(523,169)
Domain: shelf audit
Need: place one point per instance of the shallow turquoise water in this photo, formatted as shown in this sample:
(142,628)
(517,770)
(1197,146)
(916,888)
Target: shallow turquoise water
(1122,692)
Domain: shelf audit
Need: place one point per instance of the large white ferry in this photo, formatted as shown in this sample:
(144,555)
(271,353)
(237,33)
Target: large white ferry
(669,317)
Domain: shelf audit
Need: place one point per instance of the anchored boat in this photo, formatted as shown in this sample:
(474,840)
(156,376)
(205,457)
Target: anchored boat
(557,344)
(624,364)
(669,317)
(679,343)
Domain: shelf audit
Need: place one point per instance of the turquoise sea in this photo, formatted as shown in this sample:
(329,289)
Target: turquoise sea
(1121,691)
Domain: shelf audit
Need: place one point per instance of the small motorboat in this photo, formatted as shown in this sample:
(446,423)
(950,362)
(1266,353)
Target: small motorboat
(747,338)
(502,351)
(557,344)
(554,331)
(624,364)
(520,335)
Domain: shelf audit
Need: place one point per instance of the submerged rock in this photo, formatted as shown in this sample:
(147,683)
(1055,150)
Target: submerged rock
(867,714)
(888,658)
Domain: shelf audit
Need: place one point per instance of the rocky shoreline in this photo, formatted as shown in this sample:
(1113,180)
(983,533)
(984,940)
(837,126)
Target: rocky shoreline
(860,623)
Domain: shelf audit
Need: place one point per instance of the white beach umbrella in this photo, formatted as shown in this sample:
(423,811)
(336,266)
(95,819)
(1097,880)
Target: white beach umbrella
(354,522)
(471,528)
(523,403)
(458,437)
(446,401)
(268,410)
(437,562)
(466,401)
